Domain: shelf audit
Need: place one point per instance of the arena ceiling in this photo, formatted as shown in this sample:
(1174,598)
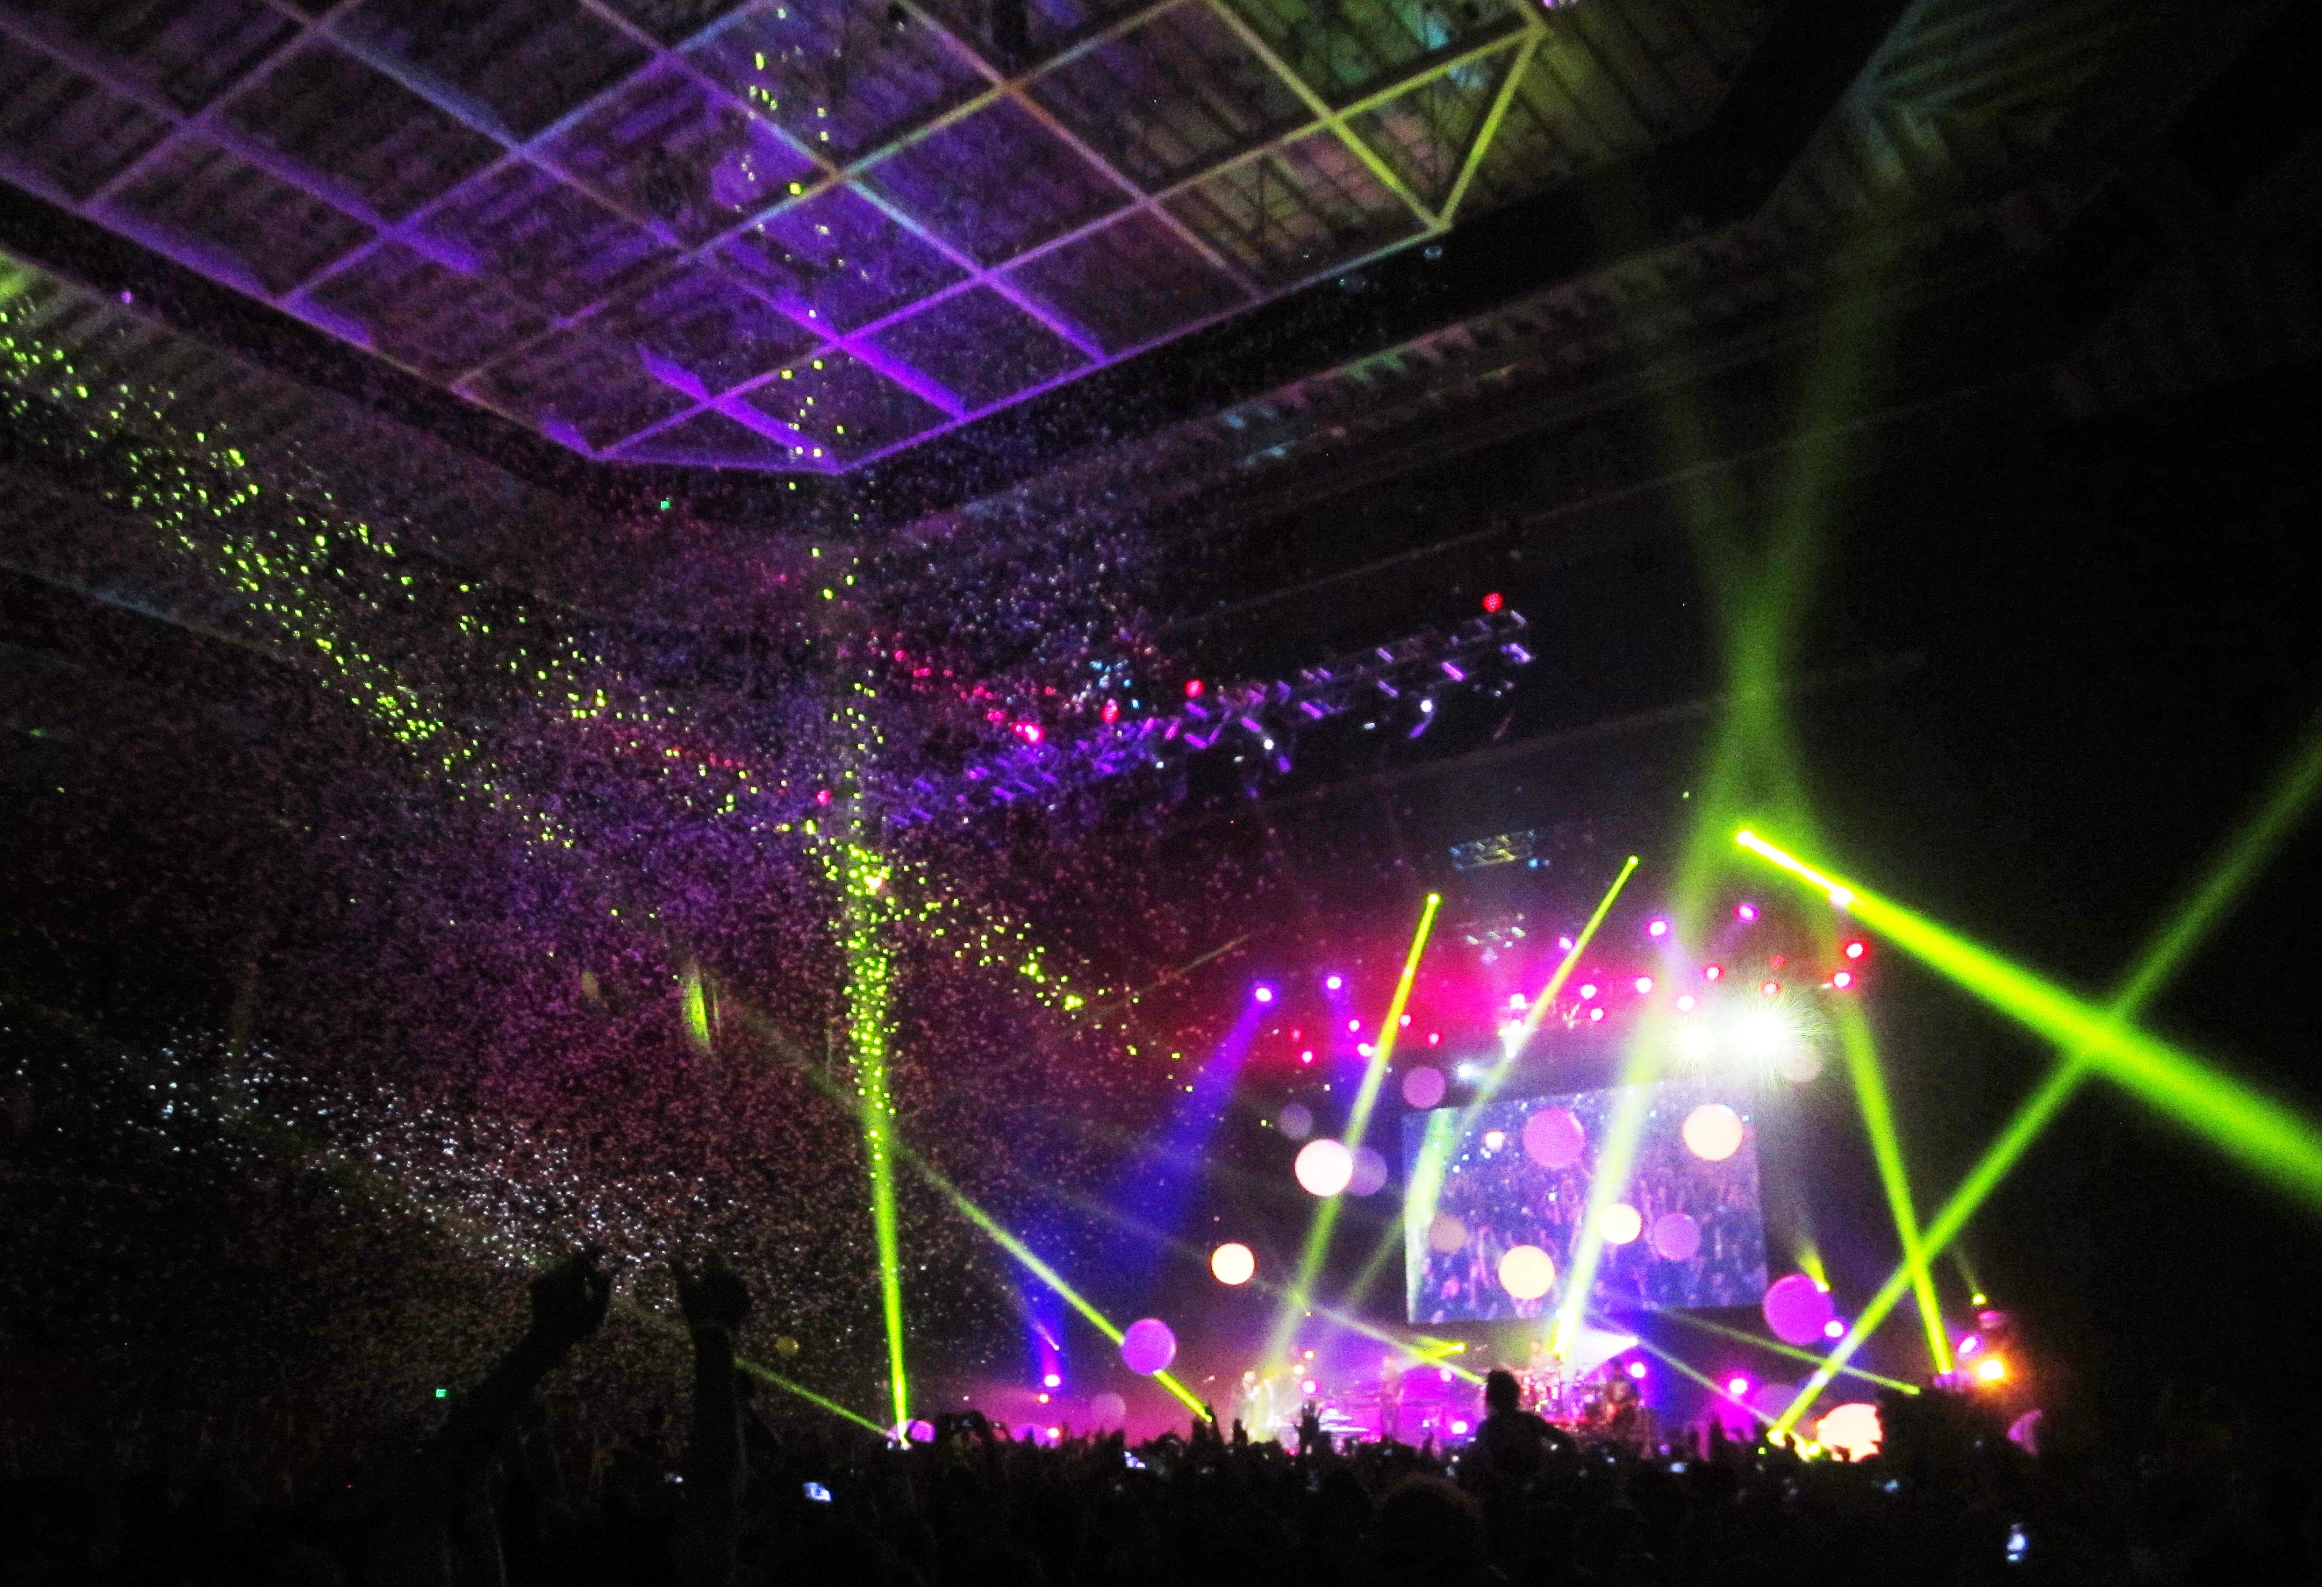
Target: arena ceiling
(803,234)
(533,242)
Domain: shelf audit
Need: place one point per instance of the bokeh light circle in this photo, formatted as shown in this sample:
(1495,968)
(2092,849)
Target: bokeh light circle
(1296,1121)
(1527,1272)
(1370,1173)
(1799,1062)
(1233,1263)
(1446,1234)
(1107,1411)
(1713,1132)
(1770,1400)
(1797,1309)
(1620,1224)
(1676,1237)
(1423,1087)
(1324,1167)
(785,1346)
(1853,1429)
(1147,1346)
(1554,1138)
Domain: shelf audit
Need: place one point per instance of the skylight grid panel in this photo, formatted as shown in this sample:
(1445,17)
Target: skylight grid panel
(1255,215)
(995,183)
(666,146)
(573,383)
(710,439)
(1128,283)
(842,259)
(1575,89)
(844,408)
(278,234)
(191,50)
(1171,97)
(331,112)
(699,321)
(980,345)
(552,245)
(74,130)
(426,316)
(837,75)
(530,61)
(673,22)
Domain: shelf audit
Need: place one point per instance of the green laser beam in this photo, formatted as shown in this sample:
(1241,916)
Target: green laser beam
(1663,1354)
(2245,857)
(1055,1281)
(1744,1336)
(769,1375)
(983,1221)
(1425,1190)
(1339,1317)
(1325,1219)
(2259,1132)
(1358,1119)
(869,986)
(1870,1090)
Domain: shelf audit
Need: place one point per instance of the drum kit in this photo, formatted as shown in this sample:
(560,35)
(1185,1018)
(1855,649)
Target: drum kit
(1575,1402)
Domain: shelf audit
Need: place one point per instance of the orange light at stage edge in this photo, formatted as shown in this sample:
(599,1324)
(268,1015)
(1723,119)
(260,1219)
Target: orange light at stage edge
(1991,1369)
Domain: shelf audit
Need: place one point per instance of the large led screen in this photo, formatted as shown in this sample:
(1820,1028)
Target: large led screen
(1497,1194)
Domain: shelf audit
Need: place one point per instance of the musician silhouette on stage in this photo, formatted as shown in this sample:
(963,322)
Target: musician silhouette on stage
(1391,1398)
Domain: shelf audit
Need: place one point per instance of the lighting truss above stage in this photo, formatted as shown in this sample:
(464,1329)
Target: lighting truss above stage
(1392,688)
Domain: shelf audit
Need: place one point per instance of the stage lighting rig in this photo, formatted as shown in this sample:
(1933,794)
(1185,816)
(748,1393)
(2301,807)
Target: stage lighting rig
(1509,848)
(1258,722)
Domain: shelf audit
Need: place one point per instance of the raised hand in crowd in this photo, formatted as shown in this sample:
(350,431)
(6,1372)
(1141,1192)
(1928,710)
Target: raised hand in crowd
(714,1301)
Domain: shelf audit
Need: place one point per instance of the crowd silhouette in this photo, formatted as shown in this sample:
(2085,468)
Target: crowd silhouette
(490,1499)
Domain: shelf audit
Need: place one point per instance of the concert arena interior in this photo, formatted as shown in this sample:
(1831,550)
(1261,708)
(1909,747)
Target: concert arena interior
(1118,793)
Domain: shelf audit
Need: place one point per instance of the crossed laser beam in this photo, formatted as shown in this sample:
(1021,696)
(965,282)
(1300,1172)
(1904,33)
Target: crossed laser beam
(1759,1341)
(898,1149)
(2263,1134)
(2245,857)
(1426,1187)
(1340,1317)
